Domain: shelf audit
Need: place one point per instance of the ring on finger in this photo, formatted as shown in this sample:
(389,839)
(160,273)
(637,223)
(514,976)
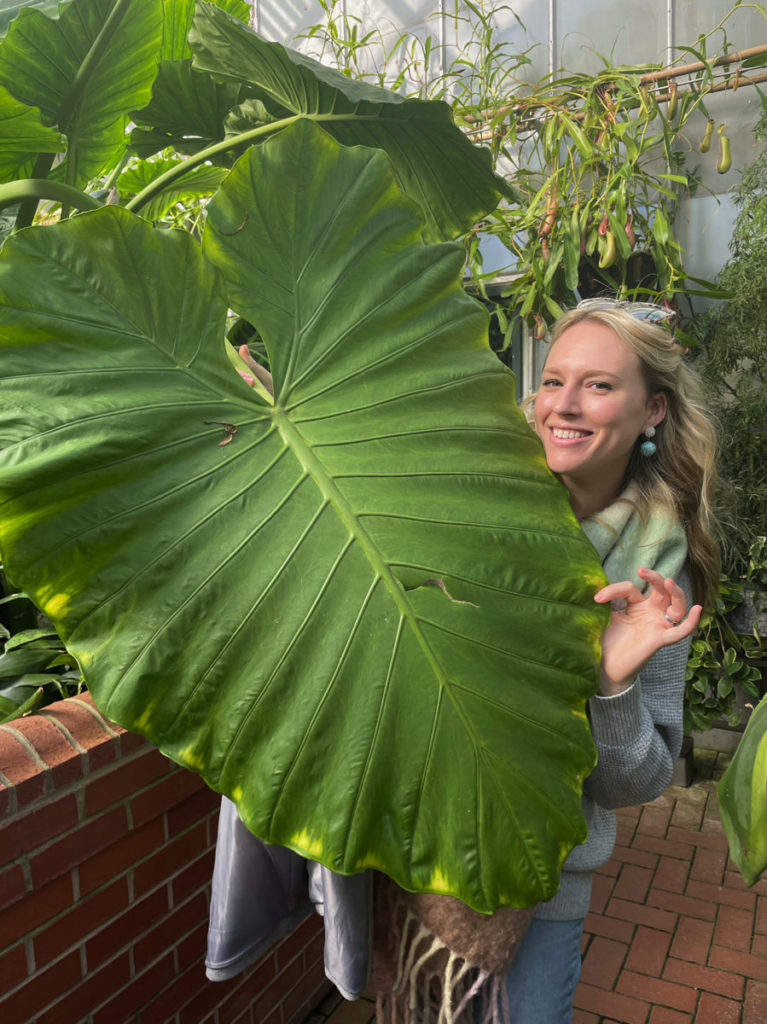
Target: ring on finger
(674,622)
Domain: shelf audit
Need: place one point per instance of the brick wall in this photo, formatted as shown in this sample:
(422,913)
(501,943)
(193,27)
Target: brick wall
(106,854)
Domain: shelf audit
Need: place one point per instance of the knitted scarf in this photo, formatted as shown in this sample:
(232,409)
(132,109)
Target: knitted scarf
(626,541)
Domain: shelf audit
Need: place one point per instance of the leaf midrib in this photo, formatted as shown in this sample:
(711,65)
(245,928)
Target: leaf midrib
(313,466)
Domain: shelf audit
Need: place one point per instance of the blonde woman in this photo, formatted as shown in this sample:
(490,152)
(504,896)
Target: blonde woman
(621,421)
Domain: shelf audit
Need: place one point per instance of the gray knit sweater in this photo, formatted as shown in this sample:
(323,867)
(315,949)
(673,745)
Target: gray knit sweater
(638,733)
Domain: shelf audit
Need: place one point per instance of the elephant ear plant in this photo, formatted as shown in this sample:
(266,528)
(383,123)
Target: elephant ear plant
(360,607)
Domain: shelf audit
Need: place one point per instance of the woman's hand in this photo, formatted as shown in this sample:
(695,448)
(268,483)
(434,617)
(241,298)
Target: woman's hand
(644,624)
(259,371)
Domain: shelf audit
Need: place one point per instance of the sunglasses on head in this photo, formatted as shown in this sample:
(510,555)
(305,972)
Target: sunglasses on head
(648,311)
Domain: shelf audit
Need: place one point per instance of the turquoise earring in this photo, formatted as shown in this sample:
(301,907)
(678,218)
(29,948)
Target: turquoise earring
(648,447)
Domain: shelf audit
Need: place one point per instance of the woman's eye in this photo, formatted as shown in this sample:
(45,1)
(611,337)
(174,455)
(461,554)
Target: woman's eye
(549,382)
(601,385)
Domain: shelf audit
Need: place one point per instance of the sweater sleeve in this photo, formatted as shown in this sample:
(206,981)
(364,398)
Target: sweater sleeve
(638,733)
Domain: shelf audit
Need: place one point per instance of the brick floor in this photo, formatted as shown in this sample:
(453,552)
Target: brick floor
(673,935)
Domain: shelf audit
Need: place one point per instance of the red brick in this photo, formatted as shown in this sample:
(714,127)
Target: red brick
(633,883)
(169,792)
(207,998)
(679,904)
(734,879)
(167,932)
(715,1010)
(663,920)
(603,962)
(601,889)
(679,997)
(630,855)
(132,848)
(84,917)
(758,945)
(610,927)
(708,866)
(198,807)
(654,822)
(692,940)
(648,951)
(194,878)
(626,825)
(664,847)
(24,774)
(92,990)
(191,949)
(755,1005)
(164,863)
(12,885)
(80,717)
(581,1017)
(124,931)
(739,963)
(761,915)
(13,968)
(177,992)
(298,940)
(610,870)
(124,780)
(132,741)
(28,831)
(142,991)
(74,848)
(671,874)
(41,989)
(300,1000)
(719,894)
(35,908)
(705,840)
(62,760)
(270,997)
(734,928)
(611,1004)
(254,981)
(723,983)
(662,1015)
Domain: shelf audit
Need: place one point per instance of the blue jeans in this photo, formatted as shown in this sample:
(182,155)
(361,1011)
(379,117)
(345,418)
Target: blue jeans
(542,979)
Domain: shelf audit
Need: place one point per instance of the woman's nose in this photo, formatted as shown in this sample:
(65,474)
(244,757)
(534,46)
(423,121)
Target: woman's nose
(566,400)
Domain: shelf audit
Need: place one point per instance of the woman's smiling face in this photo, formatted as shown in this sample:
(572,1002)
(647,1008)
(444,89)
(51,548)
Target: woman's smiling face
(592,406)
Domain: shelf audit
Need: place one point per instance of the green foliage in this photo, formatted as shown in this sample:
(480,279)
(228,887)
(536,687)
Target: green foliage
(732,357)
(742,799)
(35,668)
(362,608)
(721,663)
(600,159)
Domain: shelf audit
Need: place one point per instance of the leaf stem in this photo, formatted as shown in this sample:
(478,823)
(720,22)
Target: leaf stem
(35,189)
(159,184)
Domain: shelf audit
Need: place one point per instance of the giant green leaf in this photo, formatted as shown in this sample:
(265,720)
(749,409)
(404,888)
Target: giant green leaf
(451,179)
(85,70)
(177,20)
(364,611)
(742,794)
(22,137)
(200,181)
(187,110)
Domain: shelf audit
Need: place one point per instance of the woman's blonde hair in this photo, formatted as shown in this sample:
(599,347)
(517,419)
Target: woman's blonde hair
(681,475)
